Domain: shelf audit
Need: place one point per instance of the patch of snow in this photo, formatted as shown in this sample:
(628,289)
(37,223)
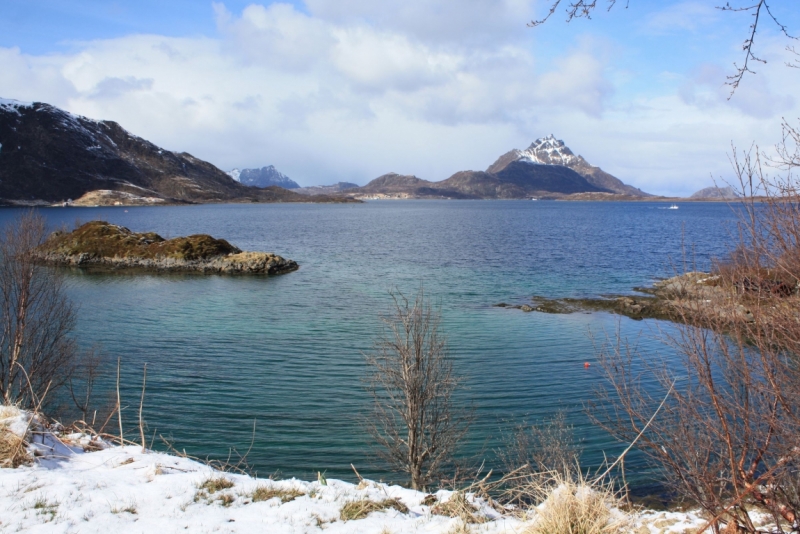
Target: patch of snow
(235,173)
(128,489)
(13,105)
(548,151)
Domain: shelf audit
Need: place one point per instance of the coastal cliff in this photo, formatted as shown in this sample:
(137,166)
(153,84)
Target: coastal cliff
(99,243)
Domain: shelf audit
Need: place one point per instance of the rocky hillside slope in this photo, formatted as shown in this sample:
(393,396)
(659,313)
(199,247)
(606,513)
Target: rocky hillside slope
(551,151)
(50,155)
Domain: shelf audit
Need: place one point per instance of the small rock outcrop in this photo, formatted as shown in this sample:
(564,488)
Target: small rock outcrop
(716,193)
(102,244)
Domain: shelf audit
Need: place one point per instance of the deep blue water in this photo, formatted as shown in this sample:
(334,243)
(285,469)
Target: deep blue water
(287,350)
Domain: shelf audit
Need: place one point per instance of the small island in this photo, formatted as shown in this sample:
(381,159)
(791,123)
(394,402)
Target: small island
(102,244)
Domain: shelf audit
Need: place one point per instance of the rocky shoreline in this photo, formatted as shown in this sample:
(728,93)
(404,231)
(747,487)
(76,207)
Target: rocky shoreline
(690,297)
(104,245)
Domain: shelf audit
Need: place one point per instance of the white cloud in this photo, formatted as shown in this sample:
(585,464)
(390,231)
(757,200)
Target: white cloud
(353,89)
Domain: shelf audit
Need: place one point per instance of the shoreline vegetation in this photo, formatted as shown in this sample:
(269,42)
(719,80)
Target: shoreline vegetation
(99,244)
(693,297)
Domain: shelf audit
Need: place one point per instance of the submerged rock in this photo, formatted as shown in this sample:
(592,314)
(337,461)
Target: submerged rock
(102,244)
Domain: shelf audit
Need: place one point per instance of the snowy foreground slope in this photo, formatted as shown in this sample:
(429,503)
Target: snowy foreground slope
(122,489)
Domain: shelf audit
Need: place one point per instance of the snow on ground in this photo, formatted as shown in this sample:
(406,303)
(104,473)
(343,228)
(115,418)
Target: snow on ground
(125,489)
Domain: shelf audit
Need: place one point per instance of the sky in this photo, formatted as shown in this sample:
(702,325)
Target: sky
(348,90)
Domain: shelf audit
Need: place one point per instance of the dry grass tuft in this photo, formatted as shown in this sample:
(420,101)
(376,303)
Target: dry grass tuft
(12,447)
(264,493)
(215,484)
(458,506)
(577,506)
(362,508)
(460,528)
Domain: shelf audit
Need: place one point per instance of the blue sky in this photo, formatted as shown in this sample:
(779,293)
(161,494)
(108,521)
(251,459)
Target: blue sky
(331,90)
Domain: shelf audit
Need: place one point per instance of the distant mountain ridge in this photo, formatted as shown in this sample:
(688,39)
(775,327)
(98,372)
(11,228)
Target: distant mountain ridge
(547,168)
(336,188)
(263,177)
(50,155)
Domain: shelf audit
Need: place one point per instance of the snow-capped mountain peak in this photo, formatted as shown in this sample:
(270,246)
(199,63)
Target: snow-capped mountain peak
(263,177)
(548,151)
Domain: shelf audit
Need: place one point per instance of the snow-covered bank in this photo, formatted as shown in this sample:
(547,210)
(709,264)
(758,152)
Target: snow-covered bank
(122,489)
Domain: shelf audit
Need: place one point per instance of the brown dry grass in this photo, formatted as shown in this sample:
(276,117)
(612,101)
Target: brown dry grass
(575,505)
(362,508)
(264,493)
(215,484)
(458,506)
(12,447)
(103,240)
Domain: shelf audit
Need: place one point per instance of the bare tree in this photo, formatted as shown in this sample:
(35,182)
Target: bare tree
(414,420)
(758,9)
(37,353)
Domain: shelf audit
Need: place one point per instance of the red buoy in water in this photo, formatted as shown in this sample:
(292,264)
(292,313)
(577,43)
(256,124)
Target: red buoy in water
(586,365)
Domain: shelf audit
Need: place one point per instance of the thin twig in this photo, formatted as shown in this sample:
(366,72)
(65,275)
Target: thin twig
(607,471)
(141,404)
(119,406)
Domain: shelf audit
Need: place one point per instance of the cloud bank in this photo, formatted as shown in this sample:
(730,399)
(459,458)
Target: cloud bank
(352,89)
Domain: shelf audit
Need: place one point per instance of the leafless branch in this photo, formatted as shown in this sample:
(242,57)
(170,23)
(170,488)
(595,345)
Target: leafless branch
(415,421)
(36,317)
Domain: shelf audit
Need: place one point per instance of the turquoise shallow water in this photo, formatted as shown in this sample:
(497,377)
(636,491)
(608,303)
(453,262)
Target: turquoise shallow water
(286,351)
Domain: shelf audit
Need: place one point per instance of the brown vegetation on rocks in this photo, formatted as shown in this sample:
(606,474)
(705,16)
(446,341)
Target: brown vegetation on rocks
(103,244)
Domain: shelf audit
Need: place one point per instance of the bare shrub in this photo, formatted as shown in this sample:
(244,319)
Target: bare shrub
(414,419)
(37,353)
(729,437)
(543,447)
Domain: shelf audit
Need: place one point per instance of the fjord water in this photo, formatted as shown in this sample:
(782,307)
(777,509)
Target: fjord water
(286,351)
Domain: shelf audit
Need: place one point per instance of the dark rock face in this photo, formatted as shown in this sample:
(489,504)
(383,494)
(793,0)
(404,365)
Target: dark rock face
(51,155)
(266,177)
(99,243)
(551,178)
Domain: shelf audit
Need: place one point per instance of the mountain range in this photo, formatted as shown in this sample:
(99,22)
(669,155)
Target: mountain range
(546,169)
(50,155)
(263,177)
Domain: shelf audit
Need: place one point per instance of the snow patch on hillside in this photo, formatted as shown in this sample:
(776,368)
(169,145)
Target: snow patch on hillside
(235,173)
(13,105)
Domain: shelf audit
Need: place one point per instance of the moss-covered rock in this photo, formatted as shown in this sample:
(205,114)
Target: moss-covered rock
(102,243)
